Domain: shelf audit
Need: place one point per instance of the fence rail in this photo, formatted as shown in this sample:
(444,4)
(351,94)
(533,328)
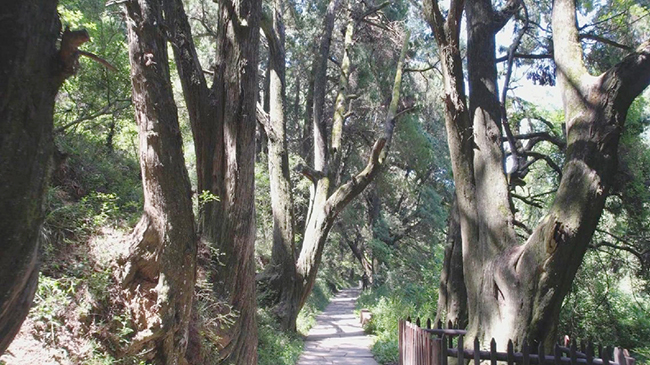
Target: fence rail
(433,346)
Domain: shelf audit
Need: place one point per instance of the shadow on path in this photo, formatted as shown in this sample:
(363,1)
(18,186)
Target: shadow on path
(337,337)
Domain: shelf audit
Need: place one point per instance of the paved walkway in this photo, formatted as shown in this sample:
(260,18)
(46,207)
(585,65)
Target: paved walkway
(337,337)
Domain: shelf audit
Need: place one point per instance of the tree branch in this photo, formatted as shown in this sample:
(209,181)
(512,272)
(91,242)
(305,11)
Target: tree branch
(310,173)
(539,156)
(372,10)
(104,111)
(431,67)
(527,200)
(525,56)
(502,16)
(535,137)
(98,59)
(639,255)
(604,40)
(346,192)
(264,119)
(523,226)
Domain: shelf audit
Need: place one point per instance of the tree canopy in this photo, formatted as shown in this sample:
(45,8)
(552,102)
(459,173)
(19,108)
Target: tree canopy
(197,175)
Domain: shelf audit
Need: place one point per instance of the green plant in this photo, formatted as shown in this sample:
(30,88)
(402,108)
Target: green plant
(276,347)
(386,349)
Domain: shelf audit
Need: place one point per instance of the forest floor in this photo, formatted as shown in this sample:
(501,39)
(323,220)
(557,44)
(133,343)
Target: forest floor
(337,337)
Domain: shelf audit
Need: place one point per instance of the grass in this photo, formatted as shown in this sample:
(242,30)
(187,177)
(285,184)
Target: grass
(276,347)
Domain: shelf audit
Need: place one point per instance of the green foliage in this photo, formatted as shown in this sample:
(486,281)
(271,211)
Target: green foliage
(406,292)
(385,349)
(276,347)
(52,298)
(605,306)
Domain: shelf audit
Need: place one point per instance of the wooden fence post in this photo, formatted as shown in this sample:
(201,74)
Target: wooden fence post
(525,351)
(443,350)
(557,354)
(511,353)
(573,355)
(400,342)
(590,353)
(461,351)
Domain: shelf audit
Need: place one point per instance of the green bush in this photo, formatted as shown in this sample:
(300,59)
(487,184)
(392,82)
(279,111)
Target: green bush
(276,347)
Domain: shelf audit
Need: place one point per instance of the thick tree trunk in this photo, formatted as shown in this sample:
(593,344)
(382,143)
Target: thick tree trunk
(161,268)
(452,295)
(236,92)
(494,223)
(280,278)
(207,130)
(223,124)
(32,72)
(516,291)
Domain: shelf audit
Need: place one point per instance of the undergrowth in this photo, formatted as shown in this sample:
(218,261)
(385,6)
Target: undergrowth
(281,348)
(401,295)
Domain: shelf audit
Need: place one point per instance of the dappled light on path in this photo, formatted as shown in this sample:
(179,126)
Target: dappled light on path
(337,337)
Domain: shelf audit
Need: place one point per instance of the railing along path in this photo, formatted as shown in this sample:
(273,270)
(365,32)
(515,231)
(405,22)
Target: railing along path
(433,346)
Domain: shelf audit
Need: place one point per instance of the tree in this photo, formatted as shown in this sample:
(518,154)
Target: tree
(160,271)
(223,127)
(291,275)
(33,71)
(515,289)
(282,279)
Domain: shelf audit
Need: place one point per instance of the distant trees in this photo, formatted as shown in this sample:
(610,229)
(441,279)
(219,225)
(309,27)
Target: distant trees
(292,273)
(515,289)
(32,72)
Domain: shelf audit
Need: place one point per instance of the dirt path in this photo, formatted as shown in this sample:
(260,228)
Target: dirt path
(337,337)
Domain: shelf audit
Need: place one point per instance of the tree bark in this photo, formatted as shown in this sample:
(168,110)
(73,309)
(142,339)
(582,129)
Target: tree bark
(326,206)
(236,91)
(32,72)
(280,278)
(514,290)
(452,295)
(223,122)
(160,272)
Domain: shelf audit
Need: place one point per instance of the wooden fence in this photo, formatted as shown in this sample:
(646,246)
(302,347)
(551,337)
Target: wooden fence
(433,346)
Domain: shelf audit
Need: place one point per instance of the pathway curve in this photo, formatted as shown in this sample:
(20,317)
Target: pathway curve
(337,337)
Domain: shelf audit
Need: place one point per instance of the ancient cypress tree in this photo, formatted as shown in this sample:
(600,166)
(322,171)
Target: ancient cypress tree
(223,121)
(515,289)
(32,70)
(160,270)
(292,274)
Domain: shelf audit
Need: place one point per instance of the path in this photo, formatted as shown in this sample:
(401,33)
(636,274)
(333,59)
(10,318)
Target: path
(337,337)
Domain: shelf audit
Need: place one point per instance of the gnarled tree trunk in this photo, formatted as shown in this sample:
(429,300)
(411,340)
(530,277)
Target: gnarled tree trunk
(223,124)
(160,270)
(32,72)
(515,289)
